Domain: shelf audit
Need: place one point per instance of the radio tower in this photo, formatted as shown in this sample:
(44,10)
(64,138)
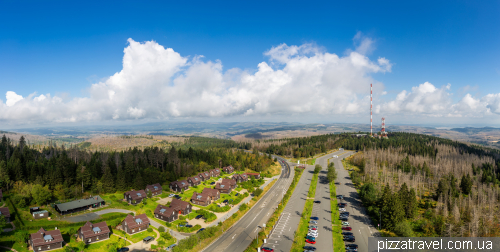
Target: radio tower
(371,109)
(382,131)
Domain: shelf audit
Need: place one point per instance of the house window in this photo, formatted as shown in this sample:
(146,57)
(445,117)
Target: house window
(39,248)
(41,215)
(48,246)
(90,240)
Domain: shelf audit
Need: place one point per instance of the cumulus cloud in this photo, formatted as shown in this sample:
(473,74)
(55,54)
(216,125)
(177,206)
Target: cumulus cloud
(159,83)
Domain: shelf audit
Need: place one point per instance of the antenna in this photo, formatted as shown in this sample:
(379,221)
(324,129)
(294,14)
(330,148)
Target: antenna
(383,133)
(371,109)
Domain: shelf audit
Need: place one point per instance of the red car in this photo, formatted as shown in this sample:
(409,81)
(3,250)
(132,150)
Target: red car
(265,249)
(347,228)
(311,242)
(313,229)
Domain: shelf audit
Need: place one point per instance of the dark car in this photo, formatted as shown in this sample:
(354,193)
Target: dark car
(182,225)
(199,217)
(340,196)
(317,201)
(171,246)
(237,194)
(177,197)
(122,249)
(266,249)
(213,183)
(342,204)
(201,229)
(314,218)
(189,226)
(309,248)
(311,238)
(353,246)
(148,239)
(349,239)
(344,219)
(225,201)
(346,233)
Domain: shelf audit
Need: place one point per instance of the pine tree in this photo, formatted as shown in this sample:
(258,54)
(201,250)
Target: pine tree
(412,204)
(138,182)
(121,180)
(395,214)
(107,181)
(466,184)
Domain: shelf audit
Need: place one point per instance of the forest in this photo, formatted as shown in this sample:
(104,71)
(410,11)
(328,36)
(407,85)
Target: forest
(418,185)
(58,173)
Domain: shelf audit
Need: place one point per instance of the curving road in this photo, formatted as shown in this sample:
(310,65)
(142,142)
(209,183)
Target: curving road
(242,233)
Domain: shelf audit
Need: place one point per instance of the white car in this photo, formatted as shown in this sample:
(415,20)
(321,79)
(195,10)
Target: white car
(342,209)
(345,223)
(313,231)
(335,156)
(313,222)
(171,195)
(315,235)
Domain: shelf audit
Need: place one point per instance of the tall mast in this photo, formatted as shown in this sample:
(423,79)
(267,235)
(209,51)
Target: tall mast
(371,109)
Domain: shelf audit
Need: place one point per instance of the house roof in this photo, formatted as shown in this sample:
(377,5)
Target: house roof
(43,237)
(90,230)
(223,185)
(178,205)
(229,181)
(154,187)
(79,203)
(136,195)
(200,196)
(4,211)
(195,179)
(164,210)
(40,212)
(252,173)
(136,221)
(182,183)
(204,174)
(210,192)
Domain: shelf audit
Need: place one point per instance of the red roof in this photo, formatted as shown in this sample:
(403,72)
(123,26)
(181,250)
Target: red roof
(5,211)
(43,237)
(91,230)
(179,205)
(210,192)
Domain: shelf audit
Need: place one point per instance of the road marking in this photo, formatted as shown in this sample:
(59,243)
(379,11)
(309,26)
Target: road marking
(233,236)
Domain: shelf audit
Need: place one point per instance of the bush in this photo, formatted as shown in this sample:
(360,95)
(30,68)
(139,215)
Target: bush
(182,217)
(150,229)
(243,207)
(161,229)
(166,236)
(168,224)
(257,192)
(403,229)
(317,169)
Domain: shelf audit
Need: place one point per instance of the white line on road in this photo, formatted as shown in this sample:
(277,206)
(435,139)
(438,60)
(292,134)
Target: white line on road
(233,236)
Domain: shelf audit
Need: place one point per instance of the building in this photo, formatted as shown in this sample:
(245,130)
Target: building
(178,186)
(194,181)
(204,176)
(164,213)
(135,224)
(5,213)
(154,189)
(90,233)
(79,205)
(46,240)
(223,187)
(212,193)
(38,213)
(228,169)
(182,207)
(254,175)
(240,178)
(231,182)
(134,197)
(215,172)
(201,199)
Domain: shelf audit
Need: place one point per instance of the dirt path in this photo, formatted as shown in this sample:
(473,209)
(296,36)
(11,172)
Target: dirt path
(7,248)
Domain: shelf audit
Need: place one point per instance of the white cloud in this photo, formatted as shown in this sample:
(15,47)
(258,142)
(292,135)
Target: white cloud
(158,83)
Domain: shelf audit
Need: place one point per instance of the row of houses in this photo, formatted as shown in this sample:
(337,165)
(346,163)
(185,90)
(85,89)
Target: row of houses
(178,186)
(135,197)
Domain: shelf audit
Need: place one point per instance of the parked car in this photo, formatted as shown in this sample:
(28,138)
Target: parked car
(201,229)
(171,246)
(312,226)
(355,246)
(213,183)
(225,201)
(343,218)
(314,218)
(123,249)
(341,209)
(310,242)
(313,229)
(313,222)
(317,201)
(189,226)
(340,196)
(344,213)
(266,249)
(148,239)
(182,225)
(342,204)
(309,248)
(313,234)
(346,233)
(171,195)
(349,239)
(237,194)
(177,197)
(351,250)
(345,223)
(199,217)
(347,228)
(312,238)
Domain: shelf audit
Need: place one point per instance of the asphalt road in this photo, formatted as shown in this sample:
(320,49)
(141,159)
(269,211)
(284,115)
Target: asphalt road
(361,224)
(242,233)
(281,239)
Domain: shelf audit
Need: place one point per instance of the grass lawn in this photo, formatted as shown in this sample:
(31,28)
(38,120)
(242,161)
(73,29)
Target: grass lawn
(311,161)
(338,241)
(139,236)
(103,246)
(312,187)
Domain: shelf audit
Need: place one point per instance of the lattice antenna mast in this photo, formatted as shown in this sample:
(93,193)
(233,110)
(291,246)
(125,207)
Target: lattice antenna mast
(383,126)
(371,109)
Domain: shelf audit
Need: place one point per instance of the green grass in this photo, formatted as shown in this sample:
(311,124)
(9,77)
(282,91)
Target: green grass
(300,234)
(311,161)
(139,236)
(338,242)
(312,187)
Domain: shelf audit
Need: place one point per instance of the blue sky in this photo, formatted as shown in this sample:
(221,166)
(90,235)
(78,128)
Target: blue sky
(61,48)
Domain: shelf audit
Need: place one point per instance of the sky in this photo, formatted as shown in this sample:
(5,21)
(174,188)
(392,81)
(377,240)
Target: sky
(430,62)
